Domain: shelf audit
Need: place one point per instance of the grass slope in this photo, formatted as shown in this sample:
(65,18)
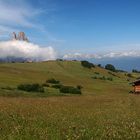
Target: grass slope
(68,72)
(105,110)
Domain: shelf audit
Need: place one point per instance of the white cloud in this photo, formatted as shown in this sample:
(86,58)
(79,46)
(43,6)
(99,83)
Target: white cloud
(18,14)
(22,49)
(131,53)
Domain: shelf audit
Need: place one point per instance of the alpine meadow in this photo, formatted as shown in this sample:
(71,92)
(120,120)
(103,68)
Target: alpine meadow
(104,110)
(69,70)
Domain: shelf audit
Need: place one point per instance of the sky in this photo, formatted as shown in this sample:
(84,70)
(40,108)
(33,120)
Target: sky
(76,28)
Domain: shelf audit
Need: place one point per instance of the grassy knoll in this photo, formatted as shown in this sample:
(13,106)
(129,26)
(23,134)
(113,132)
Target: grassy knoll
(105,110)
(68,72)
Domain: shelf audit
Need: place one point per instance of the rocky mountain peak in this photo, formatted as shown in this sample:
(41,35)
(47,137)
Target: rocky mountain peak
(20,36)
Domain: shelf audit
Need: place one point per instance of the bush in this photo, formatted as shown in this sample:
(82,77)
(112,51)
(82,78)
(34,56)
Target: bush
(7,88)
(102,78)
(130,75)
(87,64)
(59,59)
(97,73)
(135,71)
(31,87)
(79,87)
(128,80)
(45,85)
(99,65)
(94,77)
(110,67)
(57,86)
(70,89)
(53,81)
(110,78)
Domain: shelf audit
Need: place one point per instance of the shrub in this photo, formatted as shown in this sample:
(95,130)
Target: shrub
(110,78)
(45,85)
(94,77)
(79,87)
(135,71)
(102,78)
(131,92)
(59,59)
(130,75)
(110,67)
(31,87)
(70,89)
(87,64)
(57,86)
(97,73)
(7,88)
(128,80)
(99,65)
(53,81)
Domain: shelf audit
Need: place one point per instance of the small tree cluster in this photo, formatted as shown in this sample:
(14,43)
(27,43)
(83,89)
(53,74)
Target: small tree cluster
(87,64)
(31,87)
(99,65)
(70,89)
(110,67)
(53,81)
(57,86)
(135,71)
(59,59)
(129,75)
(97,73)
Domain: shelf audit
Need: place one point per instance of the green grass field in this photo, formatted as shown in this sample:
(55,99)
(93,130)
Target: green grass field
(105,110)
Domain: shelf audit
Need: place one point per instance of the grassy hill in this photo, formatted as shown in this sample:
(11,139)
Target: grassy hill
(105,110)
(67,72)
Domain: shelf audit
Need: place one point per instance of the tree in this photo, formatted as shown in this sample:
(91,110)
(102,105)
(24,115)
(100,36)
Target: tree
(99,65)
(135,71)
(87,64)
(110,67)
(31,87)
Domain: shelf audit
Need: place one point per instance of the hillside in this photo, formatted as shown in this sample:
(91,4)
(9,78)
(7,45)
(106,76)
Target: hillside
(105,110)
(67,72)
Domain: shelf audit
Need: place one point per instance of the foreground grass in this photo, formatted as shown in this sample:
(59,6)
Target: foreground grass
(74,118)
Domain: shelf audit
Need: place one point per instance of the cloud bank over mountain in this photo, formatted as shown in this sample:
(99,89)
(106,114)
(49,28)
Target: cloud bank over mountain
(131,53)
(26,50)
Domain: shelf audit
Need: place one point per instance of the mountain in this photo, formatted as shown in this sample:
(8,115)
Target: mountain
(20,36)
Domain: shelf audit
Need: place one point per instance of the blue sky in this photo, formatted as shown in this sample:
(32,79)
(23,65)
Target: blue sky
(74,26)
